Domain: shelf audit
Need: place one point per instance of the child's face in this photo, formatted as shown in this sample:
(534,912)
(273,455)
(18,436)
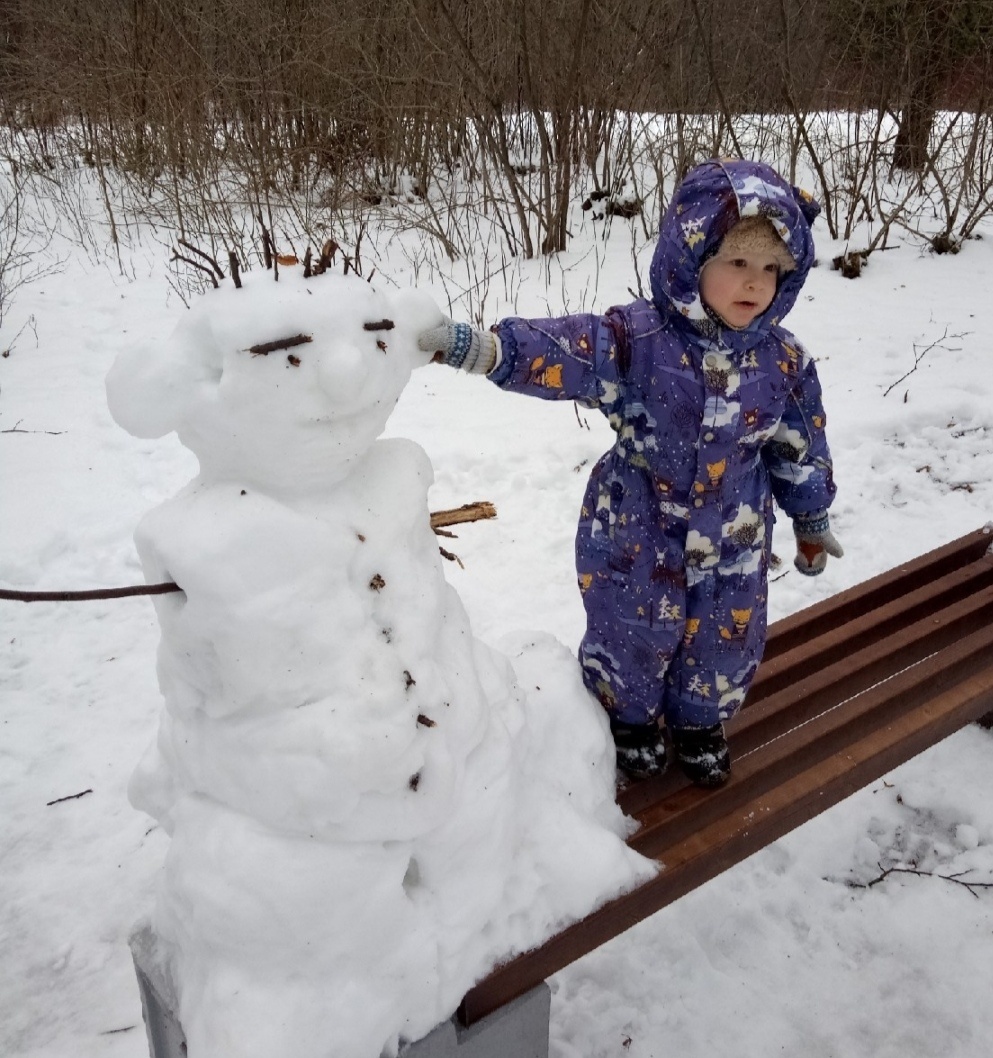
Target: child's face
(741,287)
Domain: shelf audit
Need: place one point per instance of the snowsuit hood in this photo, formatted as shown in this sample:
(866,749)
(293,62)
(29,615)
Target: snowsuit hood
(711,199)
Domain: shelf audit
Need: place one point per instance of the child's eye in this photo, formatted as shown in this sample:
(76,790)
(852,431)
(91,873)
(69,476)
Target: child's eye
(773,268)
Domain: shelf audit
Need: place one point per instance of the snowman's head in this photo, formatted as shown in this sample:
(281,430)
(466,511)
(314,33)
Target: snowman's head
(279,384)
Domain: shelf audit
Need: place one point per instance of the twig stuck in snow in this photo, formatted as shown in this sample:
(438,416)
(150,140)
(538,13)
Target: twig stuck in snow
(71,797)
(885,872)
(16,428)
(920,354)
(451,557)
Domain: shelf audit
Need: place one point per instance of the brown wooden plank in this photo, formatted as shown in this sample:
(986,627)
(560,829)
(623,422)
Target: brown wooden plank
(813,690)
(818,691)
(690,810)
(733,838)
(859,600)
(636,796)
(806,652)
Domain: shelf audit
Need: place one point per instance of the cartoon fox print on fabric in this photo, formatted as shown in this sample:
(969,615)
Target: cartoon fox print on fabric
(713,425)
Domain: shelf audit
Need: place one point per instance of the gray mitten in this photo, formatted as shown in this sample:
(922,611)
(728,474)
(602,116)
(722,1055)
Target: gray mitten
(459,345)
(814,542)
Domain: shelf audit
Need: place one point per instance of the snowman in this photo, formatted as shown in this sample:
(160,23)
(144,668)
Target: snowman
(359,824)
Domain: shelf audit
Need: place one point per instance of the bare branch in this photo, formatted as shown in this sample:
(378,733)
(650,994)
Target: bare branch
(177,256)
(210,260)
(89,595)
(956,879)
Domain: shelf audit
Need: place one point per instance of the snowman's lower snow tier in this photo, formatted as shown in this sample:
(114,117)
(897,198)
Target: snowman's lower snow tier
(367,810)
(285,943)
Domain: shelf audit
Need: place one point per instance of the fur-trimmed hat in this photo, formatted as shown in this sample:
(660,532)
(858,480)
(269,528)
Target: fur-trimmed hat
(756,235)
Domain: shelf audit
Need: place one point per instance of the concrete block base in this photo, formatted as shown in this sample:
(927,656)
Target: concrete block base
(517,1030)
(158,998)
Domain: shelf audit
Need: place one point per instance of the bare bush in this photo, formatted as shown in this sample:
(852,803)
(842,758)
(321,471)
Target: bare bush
(23,237)
(203,115)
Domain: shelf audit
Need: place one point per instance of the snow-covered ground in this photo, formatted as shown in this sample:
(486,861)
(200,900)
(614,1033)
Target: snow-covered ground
(787,953)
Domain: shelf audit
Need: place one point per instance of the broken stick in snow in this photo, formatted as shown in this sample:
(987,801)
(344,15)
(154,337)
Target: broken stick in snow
(468,512)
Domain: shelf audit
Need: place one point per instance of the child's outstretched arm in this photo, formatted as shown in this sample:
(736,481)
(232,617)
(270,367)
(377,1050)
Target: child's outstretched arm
(800,469)
(576,357)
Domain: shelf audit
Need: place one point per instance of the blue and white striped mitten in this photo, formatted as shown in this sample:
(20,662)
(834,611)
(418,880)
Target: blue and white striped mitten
(462,346)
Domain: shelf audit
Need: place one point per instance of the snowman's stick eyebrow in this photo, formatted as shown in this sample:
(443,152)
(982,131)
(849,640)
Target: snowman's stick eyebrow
(379,325)
(280,343)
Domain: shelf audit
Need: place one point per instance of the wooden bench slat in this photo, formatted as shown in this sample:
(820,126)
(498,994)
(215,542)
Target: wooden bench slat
(748,828)
(826,647)
(855,602)
(815,689)
(691,810)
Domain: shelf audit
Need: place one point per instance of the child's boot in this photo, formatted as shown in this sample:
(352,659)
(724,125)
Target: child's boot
(641,748)
(703,754)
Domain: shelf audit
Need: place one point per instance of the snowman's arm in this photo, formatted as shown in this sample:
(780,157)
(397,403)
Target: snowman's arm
(569,358)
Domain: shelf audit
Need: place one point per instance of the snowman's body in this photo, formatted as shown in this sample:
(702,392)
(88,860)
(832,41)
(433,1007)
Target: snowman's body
(346,773)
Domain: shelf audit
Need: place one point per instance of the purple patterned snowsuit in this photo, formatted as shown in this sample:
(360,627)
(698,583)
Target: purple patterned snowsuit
(712,423)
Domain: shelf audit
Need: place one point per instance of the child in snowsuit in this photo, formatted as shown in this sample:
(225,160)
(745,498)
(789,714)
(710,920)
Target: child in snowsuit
(717,411)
